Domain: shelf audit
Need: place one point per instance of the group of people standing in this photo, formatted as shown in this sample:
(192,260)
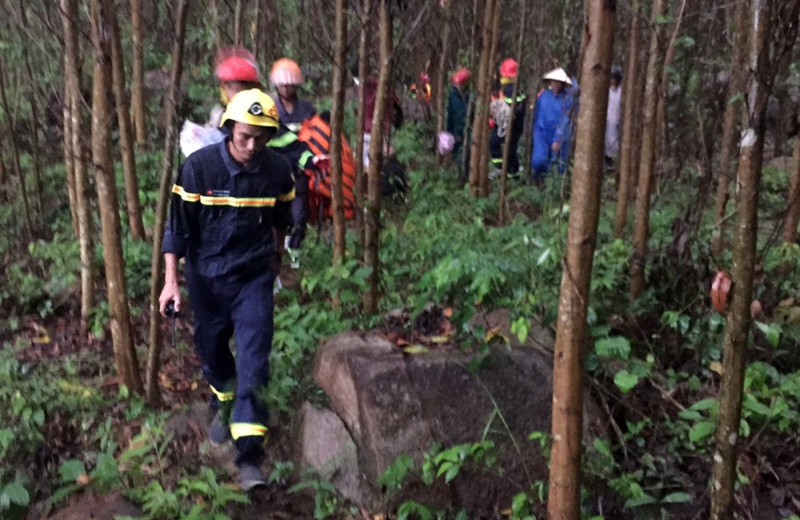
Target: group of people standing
(555,110)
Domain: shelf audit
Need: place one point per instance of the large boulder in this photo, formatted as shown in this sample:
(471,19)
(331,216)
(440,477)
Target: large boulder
(392,404)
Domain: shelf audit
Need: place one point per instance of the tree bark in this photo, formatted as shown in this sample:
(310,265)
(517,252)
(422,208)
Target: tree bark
(571,332)
(480,117)
(793,199)
(137,73)
(762,73)
(647,161)
(373,216)
(440,78)
(70,21)
(15,152)
(483,182)
(337,124)
(119,312)
(501,217)
(629,117)
(126,137)
(164,190)
(361,178)
(69,156)
(730,124)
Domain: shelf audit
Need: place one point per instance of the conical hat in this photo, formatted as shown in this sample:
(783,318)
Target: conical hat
(558,75)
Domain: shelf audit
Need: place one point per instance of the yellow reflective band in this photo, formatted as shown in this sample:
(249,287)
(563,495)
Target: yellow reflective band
(222,396)
(188,197)
(237,202)
(247,430)
(304,159)
(284,140)
(497,161)
(286,197)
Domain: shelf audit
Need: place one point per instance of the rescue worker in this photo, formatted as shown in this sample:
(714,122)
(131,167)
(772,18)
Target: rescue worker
(552,131)
(286,76)
(457,107)
(237,74)
(229,212)
(422,91)
(613,116)
(504,121)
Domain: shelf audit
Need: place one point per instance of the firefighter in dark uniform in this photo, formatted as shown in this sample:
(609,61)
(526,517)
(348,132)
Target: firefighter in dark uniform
(504,121)
(229,213)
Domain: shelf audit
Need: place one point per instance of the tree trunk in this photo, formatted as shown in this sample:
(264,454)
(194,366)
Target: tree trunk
(126,138)
(730,124)
(137,73)
(571,333)
(337,124)
(480,117)
(793,199)
(15,152)
(373,216)
(119,312)
(69,156)
(501,217)
(647,161)
(629,117)
(164,190)
(238,22)
(361,178)
(3,179)
(762,73)
(440,79)
(70,21)
(483,182)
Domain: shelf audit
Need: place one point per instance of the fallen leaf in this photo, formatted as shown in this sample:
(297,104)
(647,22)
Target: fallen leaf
(715,366)
(41,340)
(415,349)
(439,339)
(82,479)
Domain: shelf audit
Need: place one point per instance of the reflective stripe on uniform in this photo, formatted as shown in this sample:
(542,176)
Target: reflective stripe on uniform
(497,161)
(520,99)
(304,158)
(286,197)
(236,202)
(247,430)
(222,396)
(283,140)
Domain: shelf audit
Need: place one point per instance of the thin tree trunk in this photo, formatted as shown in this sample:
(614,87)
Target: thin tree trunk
(164,190)
(137,73)
(440,78)
(655,69)
(793,200)
(730,124)
(507,144)
(361,178)
(3,179)
(571,333)
(238,37)
(629,117)
(69,156)
(126,137)
(479,118)
(34,120)
(337,124)
(70,20)
(373,216)
(762,73)
(119,312)
(483,181)
(15,152)
(213,7)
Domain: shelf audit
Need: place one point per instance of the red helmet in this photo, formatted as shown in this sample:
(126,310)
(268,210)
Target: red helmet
(459,77)
(236,64)
(508,68)
(424,78)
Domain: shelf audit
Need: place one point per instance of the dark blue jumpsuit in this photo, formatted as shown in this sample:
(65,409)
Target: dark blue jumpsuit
(222,218)
(515,123)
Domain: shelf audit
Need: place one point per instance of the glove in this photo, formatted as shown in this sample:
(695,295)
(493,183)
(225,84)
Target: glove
(321,161)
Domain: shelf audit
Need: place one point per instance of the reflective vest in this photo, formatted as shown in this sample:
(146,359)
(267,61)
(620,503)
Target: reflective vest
(316,133)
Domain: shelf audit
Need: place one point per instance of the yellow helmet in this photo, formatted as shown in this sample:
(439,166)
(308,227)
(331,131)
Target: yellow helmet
(252,107)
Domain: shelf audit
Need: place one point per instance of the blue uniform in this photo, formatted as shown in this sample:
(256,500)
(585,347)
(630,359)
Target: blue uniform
(222,218)
(551,124)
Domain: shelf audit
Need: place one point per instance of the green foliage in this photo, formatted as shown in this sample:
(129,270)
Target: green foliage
(325,498)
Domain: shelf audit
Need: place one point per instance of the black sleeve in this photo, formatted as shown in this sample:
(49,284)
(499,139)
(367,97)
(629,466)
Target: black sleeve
(184,203)
(283,206)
